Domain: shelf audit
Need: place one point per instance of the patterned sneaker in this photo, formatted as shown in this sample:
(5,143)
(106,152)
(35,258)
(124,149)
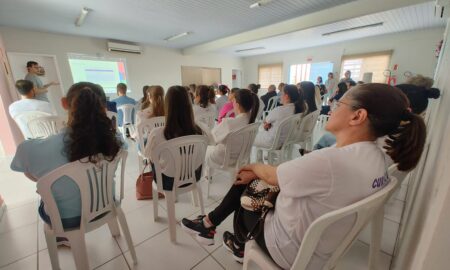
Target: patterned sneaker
(233,246)
(62,241)
(203,235)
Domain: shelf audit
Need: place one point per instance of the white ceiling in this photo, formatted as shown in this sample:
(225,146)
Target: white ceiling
(420,16)
(150,21)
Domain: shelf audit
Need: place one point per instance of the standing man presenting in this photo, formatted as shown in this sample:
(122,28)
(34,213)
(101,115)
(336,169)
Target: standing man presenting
(40,88)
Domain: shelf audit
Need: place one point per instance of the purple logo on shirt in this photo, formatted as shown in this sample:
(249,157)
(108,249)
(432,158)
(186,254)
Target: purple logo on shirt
(380,181)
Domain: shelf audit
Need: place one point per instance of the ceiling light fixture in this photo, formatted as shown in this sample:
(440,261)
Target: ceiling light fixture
(260,3)
(177,36)
(353,28)
(84,12)
(250,49)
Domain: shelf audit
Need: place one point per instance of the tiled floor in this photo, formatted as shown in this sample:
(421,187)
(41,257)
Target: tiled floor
(22,243)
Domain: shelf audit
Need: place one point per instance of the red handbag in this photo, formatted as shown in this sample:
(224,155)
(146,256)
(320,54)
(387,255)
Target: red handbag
(144,187)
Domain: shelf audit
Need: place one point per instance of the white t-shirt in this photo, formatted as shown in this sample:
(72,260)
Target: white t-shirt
(29,105)
(315,184)
(265,138)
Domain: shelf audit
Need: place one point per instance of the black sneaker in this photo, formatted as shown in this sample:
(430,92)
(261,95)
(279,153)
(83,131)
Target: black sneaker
(203,235)
(234,246)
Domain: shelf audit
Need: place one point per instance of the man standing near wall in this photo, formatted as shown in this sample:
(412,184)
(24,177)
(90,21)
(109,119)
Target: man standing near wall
(122,100)
(40,88)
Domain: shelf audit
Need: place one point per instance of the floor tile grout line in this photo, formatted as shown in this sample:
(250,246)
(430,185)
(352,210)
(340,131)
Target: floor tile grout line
(122,253)
(17,228)
(217,261)
(200,261)
(110,261)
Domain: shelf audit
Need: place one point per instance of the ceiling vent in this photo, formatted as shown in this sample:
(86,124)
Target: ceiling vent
(123,47)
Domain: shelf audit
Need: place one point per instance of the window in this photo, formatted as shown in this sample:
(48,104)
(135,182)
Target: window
(375,63)
(270,74)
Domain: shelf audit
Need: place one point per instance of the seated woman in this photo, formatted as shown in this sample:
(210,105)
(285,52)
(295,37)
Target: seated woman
(89,133)
(179,122)
(227,109)
(143,102)
(309,92)
(202,104)
(324,180)
(155,107)
(246,105)
(293,103)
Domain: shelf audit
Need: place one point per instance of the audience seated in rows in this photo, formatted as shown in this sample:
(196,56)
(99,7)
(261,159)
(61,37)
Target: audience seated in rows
(179,122)
(123,99)
(311,189)
(227,109)
(28,101)
(293,102)
(89,133)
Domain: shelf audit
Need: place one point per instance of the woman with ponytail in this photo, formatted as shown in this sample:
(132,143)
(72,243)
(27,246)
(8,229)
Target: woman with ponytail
(293,103)
(245,106)
(89,134)
(202,104)
(154,109)
(325,180)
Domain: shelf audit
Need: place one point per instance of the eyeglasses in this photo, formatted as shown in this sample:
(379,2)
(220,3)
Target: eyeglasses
(338,103)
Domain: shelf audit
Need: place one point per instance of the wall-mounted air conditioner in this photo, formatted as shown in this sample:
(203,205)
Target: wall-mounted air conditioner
(123,47)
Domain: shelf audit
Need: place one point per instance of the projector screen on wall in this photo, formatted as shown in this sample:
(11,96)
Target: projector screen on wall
(106,72)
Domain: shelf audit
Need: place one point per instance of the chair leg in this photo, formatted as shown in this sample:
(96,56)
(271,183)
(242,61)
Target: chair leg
(170,200)
(52,249)
(194,198)
(126,232)
(375,239)
(78,247)
(114,227)
(155,203)
(200,198)
(259,156)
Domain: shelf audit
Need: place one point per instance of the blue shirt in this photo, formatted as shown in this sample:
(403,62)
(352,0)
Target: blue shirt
(41,156)
(122,101)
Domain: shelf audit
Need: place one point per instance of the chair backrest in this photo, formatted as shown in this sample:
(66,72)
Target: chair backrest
(184,152)
(113,117)
(242,141)
(296,128)
(282,132)
(127,112)
(395,172)
(22,120)
(45,126)
(146,126)
(307,126)
(363,210)
(206,118)
(271,103)
(322,121)
(96,185)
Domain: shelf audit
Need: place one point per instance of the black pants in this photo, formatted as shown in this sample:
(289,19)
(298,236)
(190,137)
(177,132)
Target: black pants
(232,203)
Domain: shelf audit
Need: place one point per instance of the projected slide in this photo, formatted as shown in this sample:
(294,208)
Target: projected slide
(107,73)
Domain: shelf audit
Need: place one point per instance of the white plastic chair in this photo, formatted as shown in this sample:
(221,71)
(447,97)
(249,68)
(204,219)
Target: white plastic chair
(366,210)
(233,160)
(143,129)
(22,120)
(309,123)
(271,104)
(208,119)
(184,152)
(274,150)
(113,117)
(127,118)
(98,206)
(45,126)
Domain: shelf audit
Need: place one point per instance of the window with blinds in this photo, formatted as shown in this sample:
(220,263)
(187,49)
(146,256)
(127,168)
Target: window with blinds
(375,63)
(270,74)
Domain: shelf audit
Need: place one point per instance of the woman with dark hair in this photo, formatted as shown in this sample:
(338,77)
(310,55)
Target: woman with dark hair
(223,99)
(245,105)
(227,109)
(342,88)
(179,122)
(354,169)
(202,102)
(212,95)
(309,92)
(143,103)
(418,96)
(89,134)
(293,103)
(255,88)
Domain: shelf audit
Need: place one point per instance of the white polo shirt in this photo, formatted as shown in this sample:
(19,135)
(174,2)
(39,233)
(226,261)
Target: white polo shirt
(315,184)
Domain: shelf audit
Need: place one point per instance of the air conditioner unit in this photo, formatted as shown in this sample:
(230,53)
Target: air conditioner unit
(123,47)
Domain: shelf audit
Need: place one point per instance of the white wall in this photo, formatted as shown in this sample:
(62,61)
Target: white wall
(155,66)
(412,51)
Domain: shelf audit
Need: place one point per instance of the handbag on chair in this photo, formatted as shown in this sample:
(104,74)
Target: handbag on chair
(144,186)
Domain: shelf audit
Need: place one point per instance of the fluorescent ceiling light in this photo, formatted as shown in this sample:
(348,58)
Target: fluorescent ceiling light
(84,12)
(353,28)
(177,36)
(251,49)
(260,3)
